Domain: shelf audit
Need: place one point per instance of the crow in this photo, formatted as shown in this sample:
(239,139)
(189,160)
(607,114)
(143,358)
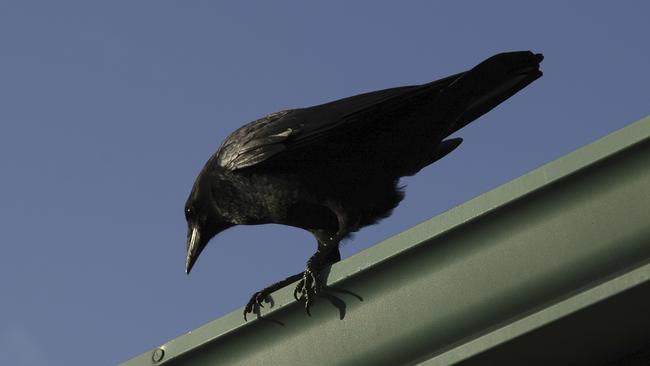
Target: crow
(334,168)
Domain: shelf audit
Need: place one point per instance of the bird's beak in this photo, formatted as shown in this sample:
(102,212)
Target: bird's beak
(194,248)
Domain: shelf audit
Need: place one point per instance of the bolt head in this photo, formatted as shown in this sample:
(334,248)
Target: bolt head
(158,355)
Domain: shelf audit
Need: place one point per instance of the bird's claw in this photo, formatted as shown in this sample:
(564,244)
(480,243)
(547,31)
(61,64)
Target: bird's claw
(255,301)
(308,287)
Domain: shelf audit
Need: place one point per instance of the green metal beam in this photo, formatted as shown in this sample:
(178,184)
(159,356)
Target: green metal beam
(548,252)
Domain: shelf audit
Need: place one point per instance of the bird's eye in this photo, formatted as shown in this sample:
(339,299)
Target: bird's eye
(188,212)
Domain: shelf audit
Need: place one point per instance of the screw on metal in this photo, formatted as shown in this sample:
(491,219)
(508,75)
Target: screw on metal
(158,355)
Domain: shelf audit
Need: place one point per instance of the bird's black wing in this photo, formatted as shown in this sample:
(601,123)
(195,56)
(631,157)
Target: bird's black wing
(288,130)
(458,100)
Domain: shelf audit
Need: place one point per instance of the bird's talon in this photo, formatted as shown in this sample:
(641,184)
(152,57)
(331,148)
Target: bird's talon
(308,287)
(257,299)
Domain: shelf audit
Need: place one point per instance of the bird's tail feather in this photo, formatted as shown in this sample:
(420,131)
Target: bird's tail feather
(487,85)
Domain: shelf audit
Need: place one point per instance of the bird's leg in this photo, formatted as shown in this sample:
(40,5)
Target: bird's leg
(327,253)
(312,281)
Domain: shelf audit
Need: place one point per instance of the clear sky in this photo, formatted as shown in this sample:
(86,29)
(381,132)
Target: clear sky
(109,109)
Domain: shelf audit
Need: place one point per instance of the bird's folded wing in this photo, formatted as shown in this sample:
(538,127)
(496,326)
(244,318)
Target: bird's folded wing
(293,129)
(459,99)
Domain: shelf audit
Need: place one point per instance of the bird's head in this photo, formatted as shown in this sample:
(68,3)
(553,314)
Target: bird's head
(203,222)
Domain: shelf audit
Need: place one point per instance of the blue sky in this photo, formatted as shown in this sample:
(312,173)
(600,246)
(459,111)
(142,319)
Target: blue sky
(108,110)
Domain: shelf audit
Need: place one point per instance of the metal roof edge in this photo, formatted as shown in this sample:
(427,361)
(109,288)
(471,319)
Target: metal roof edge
(616,286)
(538,240)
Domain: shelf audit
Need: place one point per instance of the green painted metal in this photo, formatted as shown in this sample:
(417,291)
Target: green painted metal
(506,266)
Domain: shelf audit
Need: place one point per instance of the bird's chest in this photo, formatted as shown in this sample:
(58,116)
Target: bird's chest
(263,199)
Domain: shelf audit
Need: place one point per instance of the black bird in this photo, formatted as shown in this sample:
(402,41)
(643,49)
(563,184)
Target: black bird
(334,168)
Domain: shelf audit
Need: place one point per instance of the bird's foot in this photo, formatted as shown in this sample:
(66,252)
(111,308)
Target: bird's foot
(256,302)
(309,285)
(263,296)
